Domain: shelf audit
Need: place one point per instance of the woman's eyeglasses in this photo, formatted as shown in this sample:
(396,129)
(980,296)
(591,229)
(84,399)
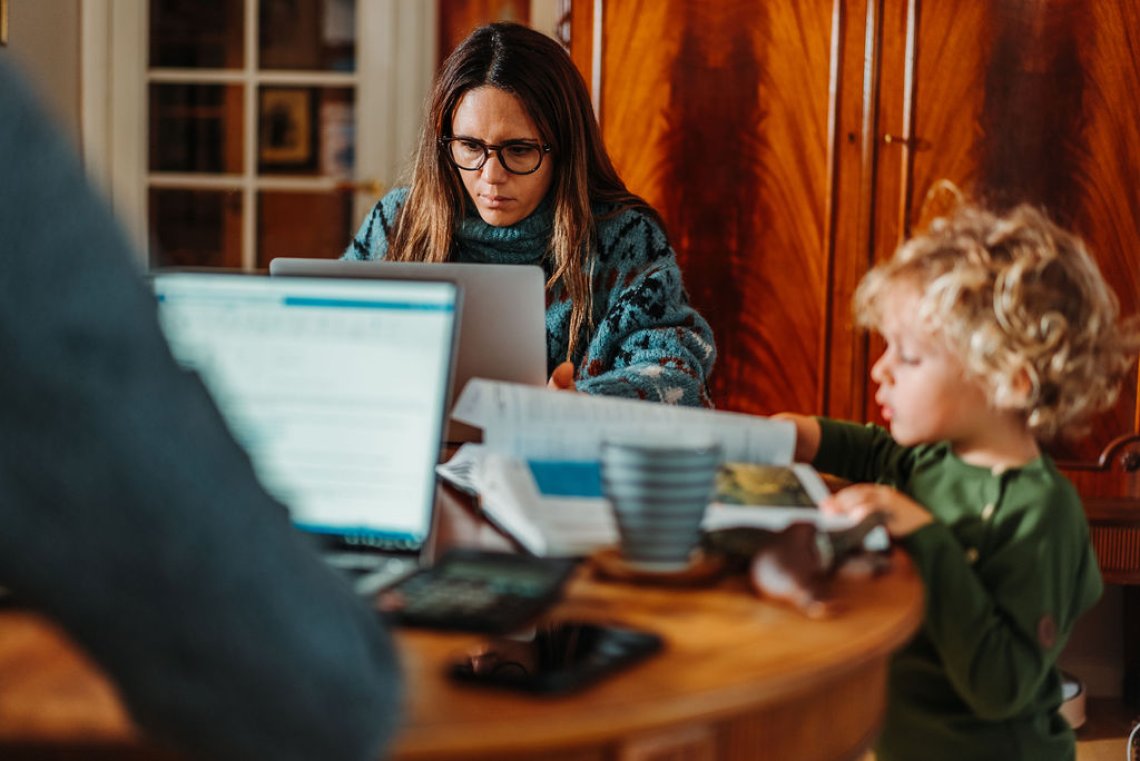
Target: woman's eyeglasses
(516,156)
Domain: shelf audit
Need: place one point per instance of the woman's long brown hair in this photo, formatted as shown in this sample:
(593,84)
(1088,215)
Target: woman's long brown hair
(537,70)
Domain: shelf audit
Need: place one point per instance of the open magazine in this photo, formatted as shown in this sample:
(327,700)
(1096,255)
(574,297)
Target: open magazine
(553,505)
(538,477)
(557,508)
(768,496)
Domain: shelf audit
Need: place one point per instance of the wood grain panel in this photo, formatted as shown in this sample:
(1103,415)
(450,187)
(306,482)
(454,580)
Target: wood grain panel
(1106,211)
(458,18)
(949,68)
(891,156)
(581,17)
(827,723)
(1118,552)
(1035,102)
(717,114)
(850,195)
(1113,475)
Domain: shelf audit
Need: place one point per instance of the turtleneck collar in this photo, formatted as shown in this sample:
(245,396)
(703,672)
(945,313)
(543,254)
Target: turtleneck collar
(525,242)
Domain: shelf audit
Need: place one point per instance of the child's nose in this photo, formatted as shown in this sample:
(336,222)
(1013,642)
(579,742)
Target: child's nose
(879,372)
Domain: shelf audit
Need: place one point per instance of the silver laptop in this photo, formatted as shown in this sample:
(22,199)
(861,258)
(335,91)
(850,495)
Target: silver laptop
(337,390)
(502,334)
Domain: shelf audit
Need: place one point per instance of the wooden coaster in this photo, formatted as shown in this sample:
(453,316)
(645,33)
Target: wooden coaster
(702,569)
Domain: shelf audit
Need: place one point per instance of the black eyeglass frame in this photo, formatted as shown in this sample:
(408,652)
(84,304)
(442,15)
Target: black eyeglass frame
(445,144)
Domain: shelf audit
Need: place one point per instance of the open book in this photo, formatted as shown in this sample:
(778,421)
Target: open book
(538,478)
(557,508)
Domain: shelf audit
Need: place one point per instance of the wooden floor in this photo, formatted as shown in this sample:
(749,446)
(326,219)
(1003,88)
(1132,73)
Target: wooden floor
(1104,736)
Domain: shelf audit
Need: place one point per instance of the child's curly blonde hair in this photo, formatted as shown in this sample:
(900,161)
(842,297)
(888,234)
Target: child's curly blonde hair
(1023,304)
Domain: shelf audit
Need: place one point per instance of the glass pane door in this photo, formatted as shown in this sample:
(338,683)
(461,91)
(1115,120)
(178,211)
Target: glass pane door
(252,125)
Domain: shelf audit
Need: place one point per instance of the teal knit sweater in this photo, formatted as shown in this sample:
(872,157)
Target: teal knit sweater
(646,341)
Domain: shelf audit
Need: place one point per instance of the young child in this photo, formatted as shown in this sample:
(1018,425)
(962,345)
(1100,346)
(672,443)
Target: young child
(1000,332)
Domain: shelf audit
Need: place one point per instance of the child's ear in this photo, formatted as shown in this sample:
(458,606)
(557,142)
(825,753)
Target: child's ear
(1015,394)
(1022,388)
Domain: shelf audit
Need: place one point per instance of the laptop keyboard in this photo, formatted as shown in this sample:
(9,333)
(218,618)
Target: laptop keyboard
(379,573)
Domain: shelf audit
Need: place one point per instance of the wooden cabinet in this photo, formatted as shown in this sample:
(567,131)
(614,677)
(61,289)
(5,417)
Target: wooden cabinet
(1037,102)
(789,144)
(458,18)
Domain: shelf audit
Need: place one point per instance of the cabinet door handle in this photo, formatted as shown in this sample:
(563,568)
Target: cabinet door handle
(914,143)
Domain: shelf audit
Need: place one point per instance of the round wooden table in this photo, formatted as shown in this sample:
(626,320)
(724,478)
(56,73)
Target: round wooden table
(738,678)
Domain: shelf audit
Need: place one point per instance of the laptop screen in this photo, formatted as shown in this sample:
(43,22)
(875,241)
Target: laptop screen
(336,388)
(503,334)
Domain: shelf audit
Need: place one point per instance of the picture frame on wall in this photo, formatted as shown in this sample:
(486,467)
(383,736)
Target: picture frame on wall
(286,130)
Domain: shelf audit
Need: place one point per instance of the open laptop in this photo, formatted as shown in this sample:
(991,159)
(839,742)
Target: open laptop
(337,390)
(503,319)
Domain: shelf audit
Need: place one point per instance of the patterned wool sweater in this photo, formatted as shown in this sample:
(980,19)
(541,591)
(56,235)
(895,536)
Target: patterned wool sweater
(647,342)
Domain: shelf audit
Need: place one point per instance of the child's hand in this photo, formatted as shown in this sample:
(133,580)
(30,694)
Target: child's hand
(807,435)
(903,514)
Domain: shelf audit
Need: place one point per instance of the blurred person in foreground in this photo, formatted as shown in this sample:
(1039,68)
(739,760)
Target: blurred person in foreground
(129,515)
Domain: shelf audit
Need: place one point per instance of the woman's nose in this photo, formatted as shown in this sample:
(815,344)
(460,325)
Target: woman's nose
(493,171)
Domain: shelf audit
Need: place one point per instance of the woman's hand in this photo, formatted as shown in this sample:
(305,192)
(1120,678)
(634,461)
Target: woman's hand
(903,515)
(562,379)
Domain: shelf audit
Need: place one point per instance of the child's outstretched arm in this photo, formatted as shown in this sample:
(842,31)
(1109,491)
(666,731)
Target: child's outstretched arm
(807,435)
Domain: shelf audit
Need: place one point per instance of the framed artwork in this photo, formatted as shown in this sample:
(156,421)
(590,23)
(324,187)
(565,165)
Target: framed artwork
(286,129)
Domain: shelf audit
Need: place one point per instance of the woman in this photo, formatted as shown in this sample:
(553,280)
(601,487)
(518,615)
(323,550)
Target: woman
(511,168)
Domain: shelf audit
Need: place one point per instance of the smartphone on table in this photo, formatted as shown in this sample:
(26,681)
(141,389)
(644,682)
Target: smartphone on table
(555,656)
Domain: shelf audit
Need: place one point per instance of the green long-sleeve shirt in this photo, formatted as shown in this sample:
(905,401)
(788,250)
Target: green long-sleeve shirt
(1008,568)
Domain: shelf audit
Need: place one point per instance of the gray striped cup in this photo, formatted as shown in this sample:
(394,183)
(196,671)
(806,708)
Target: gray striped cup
(659,492)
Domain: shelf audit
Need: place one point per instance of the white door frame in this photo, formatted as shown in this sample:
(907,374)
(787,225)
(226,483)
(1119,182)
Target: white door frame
(396,55)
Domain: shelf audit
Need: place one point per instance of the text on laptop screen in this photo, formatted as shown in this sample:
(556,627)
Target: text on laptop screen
(336,389)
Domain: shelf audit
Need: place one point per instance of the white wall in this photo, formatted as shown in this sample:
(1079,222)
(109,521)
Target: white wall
(43,40)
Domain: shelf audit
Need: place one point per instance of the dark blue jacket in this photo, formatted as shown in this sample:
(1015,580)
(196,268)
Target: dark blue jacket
(130,516)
